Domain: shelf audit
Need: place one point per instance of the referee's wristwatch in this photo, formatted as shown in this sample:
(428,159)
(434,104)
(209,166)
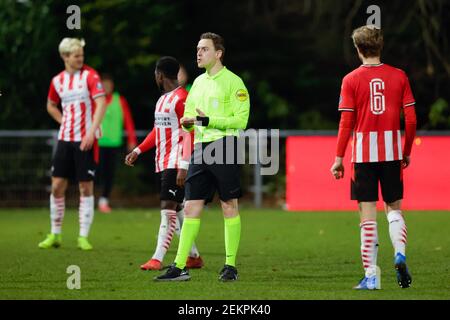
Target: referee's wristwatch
(204,121)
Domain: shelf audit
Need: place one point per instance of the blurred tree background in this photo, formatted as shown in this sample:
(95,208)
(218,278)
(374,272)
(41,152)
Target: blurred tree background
(292,54)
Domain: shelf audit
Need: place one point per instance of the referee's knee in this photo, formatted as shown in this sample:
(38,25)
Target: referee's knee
(230,208)
(193,208)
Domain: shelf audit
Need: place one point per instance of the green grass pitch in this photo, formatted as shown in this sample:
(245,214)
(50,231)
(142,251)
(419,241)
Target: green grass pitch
(283,255)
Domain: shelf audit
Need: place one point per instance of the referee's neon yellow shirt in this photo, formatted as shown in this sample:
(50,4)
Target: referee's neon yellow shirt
(224,99)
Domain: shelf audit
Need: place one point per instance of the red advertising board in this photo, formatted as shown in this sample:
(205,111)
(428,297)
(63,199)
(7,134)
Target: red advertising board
(310,185)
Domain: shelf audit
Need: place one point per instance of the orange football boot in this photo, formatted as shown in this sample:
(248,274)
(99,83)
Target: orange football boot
(104,208)
(152,264)
(194,263)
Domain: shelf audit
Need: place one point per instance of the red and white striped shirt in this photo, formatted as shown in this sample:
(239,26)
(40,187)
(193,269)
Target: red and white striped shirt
(377,94)
(76,92)
(173,145)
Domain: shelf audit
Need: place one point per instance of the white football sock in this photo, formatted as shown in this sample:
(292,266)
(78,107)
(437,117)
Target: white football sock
(369,244)
(103,201)
(86,215)
(180,218)
(165,234)
(397,231)
(57,206)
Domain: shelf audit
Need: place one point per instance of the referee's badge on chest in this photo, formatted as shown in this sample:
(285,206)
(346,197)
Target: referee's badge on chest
(215,103)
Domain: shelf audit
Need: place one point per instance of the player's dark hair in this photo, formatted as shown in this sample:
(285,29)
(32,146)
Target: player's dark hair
(169,67)
(219,43)
(369,40)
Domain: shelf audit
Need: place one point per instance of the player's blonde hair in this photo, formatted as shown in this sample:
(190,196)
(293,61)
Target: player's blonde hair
(369,40)
(69,45)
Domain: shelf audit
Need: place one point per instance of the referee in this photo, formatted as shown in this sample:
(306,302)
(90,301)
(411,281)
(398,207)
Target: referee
(217,107)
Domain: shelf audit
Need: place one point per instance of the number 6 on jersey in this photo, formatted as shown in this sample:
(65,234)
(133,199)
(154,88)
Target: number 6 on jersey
(377,102)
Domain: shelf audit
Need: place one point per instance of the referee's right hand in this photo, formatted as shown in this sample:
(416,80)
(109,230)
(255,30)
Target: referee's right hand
(187,122)
(131,158)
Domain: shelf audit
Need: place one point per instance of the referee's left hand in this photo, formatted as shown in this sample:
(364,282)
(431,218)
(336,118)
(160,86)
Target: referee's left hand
(200,112)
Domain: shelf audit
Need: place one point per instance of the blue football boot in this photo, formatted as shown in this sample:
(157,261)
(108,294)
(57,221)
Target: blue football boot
(371,281)
(403,277)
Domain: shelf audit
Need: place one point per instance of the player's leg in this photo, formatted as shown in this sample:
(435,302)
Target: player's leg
(397,227)
(62,167)
(86,213)
(364,189)
(199,188)
(57,203)
(392,190)
(165,234)
(106,172)
(398,234)
(85,167)
(57,208)
(169,194)
(369,244)
(189,231)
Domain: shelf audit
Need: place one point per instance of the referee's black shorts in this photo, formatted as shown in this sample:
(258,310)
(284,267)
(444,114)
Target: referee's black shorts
(71,163)
(205,178)
(366,176)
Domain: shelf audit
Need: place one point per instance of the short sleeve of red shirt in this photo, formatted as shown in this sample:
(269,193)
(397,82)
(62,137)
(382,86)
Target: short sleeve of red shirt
(408,98)
(52,94)
(179,107)
(347,96)
(95,85)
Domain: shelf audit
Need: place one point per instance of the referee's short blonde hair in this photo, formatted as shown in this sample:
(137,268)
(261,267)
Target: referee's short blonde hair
(69,45)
